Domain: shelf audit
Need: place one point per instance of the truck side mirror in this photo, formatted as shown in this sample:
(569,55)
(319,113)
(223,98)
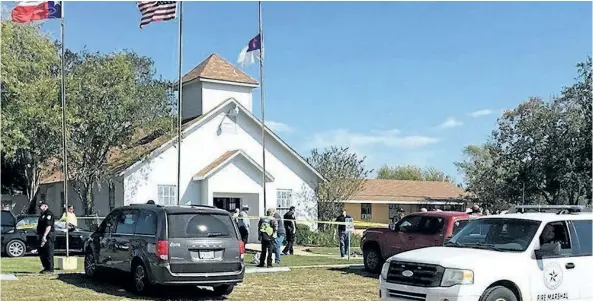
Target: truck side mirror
(392,227)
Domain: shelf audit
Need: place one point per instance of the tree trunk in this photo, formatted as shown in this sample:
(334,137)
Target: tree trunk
(32,174)
(87,199)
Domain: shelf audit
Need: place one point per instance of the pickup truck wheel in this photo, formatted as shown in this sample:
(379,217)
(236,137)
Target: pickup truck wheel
(498,293)
(223,290)
(373,261)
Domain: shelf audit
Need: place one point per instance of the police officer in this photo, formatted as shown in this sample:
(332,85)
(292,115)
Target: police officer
(46,235)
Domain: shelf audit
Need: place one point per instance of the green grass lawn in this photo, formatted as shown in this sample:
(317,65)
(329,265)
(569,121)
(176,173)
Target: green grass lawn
(301,260)
(299,284)
(28,264)
(31,264)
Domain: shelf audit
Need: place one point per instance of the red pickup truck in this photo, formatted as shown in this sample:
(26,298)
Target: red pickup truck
(414,231)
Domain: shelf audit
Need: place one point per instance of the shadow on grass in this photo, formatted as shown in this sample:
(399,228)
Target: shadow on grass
(118,286)
(360,271)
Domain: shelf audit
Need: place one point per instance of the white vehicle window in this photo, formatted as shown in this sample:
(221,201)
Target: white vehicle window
(554,239)
(501,234)
(584,232)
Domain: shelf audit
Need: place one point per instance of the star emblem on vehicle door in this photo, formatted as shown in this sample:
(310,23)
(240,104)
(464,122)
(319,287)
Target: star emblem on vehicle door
(553,275)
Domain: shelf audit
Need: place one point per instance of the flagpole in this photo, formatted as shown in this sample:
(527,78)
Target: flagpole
(64,152)
(179,104)
(263,110)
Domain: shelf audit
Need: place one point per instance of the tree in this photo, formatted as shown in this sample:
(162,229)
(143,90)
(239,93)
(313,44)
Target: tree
(345,175)
(482,178)
(403,172)
(574,133)
(30,101)
(412,173)
(110,97)
(13,176)
(540,153)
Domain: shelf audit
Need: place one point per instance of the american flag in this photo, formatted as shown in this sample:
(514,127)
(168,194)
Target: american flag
(156,11)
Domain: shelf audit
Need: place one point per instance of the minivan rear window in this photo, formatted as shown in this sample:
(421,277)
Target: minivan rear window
(200,225)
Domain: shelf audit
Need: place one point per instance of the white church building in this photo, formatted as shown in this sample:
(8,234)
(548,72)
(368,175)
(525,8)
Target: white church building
(221,156)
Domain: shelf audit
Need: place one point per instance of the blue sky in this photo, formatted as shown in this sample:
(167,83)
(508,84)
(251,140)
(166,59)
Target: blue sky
(396,81)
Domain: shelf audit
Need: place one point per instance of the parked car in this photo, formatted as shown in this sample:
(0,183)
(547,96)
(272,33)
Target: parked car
(19,235)
(13,242)
(414,231)
(169,245)
(535,256)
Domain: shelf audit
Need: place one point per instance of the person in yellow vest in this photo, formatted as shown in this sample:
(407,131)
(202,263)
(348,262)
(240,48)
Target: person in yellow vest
(268,227)
(69,217)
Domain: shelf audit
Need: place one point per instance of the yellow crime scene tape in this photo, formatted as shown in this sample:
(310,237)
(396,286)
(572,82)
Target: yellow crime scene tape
(359,224)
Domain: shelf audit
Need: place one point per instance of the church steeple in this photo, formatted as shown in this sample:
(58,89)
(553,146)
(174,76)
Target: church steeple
(212,82)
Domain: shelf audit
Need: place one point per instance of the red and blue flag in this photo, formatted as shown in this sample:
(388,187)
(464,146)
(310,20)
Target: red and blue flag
(28,11)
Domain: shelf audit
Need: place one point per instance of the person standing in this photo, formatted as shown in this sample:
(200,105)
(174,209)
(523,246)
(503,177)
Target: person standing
(236,216)
(244,223)
(69,217)
(290,227)
(267,234)
(280,235)
(344,239)
(46,236)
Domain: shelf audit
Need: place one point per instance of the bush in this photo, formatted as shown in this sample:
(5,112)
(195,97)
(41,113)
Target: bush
(326,238)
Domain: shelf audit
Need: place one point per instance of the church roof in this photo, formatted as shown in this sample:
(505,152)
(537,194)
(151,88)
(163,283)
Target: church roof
(224,158)
(216,68)
(123,158)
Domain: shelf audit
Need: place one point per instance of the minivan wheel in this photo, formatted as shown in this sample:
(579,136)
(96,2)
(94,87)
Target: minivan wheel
(140,279)
(372,260)
(15,248)
(223,290)
(498,293)
(90,265)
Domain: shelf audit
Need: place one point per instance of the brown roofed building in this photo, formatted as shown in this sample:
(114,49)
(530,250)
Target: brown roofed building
(379,200)
(221,156)
(212,79)
(216,68)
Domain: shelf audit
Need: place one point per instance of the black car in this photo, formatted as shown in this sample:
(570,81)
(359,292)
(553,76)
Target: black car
(169,245)
(13,241)
(19,235)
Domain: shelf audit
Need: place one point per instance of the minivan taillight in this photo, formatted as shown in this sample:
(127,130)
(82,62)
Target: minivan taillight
(162,249)
(242,249)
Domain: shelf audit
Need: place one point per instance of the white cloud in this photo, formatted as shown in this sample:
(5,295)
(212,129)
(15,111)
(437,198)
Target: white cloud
(450,123)
(279,127)
(480,113)
(357,141)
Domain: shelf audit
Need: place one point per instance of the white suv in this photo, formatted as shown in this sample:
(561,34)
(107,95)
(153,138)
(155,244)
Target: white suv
(511,257)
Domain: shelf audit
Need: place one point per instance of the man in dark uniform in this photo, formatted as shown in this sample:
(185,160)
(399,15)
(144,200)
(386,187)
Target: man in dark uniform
(46,235)
(290,226)
(343,235)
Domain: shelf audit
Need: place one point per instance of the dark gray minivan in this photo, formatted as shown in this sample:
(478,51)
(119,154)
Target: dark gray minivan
(169,245)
